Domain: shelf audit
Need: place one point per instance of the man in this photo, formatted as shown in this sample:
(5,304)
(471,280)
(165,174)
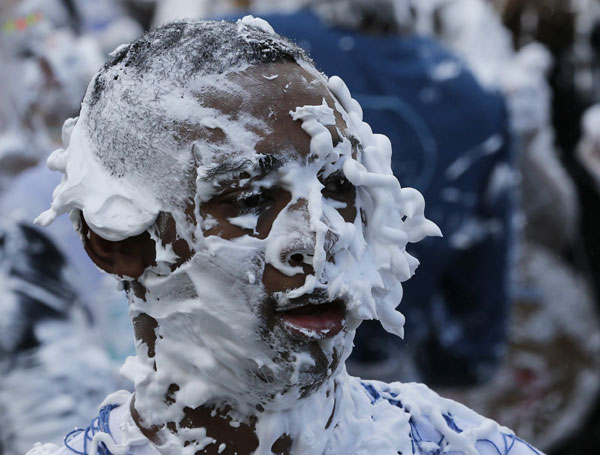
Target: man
(253,220)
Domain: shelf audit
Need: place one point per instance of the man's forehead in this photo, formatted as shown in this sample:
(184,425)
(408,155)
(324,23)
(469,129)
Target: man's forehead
(258,87)
(257,104)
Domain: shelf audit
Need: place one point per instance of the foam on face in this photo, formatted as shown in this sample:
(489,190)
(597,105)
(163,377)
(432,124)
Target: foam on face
(211,339)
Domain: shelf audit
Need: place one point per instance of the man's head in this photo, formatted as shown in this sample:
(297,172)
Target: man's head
(251,214)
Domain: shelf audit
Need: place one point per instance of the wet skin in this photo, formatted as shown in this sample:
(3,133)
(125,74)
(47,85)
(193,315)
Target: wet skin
(282,140)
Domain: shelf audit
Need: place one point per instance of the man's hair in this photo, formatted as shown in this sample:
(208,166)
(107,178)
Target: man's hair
(141,103)
(181,48)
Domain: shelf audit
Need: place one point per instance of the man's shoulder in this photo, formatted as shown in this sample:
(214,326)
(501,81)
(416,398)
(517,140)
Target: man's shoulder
(111,431)
(44,449)
(440,425)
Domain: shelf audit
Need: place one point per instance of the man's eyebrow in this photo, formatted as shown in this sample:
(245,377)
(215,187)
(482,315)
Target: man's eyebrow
(264,165)
(228,168)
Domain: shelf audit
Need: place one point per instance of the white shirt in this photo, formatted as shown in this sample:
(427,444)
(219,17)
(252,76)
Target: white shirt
(462,429)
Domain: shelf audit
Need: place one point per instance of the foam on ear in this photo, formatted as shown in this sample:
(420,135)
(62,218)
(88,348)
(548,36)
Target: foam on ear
(113,208)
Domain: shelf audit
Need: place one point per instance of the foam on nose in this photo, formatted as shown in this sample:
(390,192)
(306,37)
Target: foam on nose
(290,234)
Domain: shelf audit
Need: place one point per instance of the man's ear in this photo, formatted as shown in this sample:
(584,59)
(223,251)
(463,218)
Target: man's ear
(129,257)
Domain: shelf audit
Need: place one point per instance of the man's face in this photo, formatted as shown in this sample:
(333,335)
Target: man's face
(269,215)
(278,187)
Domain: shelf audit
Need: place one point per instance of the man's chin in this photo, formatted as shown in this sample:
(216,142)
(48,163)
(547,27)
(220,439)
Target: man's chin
(304,364)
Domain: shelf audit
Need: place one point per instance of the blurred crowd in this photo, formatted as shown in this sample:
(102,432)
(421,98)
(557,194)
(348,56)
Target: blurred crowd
(493,110)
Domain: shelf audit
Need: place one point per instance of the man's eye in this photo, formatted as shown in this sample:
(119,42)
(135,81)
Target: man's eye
(337,184)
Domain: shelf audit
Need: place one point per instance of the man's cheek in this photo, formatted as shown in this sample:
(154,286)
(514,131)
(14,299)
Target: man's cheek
(274,281)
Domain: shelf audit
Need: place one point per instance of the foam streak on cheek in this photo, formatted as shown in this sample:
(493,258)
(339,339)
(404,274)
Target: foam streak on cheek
(208,335)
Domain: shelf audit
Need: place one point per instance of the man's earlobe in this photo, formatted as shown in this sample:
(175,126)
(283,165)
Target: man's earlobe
(129,257)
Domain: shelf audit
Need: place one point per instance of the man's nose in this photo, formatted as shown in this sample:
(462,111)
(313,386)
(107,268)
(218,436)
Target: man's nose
(299,249)
(290,249)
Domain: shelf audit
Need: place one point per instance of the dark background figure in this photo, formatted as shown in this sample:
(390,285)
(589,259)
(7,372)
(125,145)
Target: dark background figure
(450,140)
(574,51)
(571,32)
(33,270)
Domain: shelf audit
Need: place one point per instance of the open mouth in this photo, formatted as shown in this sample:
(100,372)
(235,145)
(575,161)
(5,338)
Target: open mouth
(314,321)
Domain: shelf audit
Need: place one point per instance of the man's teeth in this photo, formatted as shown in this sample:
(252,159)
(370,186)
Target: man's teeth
(300,305)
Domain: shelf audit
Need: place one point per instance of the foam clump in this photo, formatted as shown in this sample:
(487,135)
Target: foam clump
(113,208)
(256,22)
(395,218)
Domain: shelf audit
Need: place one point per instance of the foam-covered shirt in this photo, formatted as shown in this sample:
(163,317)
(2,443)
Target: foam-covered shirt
(455,431)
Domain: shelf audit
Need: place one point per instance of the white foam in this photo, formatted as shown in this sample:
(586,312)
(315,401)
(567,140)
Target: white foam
(210,339)
(113,208)
(256,22)
(212,320)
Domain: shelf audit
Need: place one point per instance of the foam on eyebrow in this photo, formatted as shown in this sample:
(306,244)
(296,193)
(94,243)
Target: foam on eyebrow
(227,168)
(260,164)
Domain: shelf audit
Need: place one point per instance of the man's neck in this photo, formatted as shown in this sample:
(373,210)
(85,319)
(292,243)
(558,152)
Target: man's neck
(231,437)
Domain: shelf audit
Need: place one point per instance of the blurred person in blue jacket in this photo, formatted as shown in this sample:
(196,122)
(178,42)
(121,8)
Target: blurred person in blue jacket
(451,141)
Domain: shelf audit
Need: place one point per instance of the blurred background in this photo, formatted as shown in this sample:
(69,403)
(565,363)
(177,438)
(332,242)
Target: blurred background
(493,110)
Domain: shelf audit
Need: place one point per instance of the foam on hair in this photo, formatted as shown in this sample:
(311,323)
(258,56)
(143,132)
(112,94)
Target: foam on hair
(143,74)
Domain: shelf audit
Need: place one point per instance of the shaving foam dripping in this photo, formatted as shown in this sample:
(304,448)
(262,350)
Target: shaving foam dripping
(210,339)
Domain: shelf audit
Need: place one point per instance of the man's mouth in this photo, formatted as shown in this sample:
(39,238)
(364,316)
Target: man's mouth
(312,320)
